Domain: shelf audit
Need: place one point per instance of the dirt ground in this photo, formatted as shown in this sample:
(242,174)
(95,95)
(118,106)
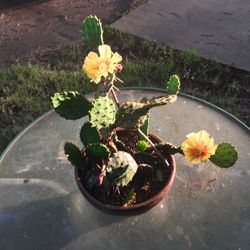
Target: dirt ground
(31,29)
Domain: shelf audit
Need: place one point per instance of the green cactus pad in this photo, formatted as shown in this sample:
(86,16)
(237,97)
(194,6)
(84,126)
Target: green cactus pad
(102,113)
(71,105)
(98,150)
(141,145)
(74,155)
(173,85)
(89,134)
(145,127)
(92,31)
(225,155)
(131,115)
(121,168)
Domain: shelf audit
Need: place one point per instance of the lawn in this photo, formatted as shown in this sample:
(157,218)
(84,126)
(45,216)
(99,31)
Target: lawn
(25,90)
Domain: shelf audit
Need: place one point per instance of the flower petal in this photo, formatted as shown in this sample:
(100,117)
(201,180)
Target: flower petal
(105,52)
(97,67)
(116,58)
(198,147)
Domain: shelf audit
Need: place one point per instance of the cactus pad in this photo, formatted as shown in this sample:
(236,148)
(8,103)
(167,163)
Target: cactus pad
(173,85)
(134,114)
(74,155)
(89,134)
(162,100)
(98,150)
(121,168)
(225,155)
(71,105)
(145,127)
(141,145)
(131,115)
(102,113)
(92,31)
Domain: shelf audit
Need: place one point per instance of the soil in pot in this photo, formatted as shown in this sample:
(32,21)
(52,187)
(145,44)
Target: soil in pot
(150,178)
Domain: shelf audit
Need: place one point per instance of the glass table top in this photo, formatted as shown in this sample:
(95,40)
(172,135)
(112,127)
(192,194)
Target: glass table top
(207,207)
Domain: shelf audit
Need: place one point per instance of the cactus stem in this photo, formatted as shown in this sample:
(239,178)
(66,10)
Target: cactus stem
(167,148)
(115,98)
(153,145)
(112,90)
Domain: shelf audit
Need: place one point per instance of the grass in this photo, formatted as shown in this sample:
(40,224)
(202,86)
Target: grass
(25,90)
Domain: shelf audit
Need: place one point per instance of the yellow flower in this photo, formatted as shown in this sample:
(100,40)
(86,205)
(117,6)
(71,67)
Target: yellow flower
(97,66)
(198,147)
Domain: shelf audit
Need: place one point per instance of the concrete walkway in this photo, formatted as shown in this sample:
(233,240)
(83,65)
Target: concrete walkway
(32,30)
(218,30)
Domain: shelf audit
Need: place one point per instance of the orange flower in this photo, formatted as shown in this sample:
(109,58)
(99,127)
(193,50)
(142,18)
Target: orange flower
(198,147)
(97,66)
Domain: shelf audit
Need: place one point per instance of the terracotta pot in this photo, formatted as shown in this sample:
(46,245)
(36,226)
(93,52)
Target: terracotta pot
(136,208)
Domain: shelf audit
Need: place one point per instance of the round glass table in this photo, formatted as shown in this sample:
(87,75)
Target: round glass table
(207,207)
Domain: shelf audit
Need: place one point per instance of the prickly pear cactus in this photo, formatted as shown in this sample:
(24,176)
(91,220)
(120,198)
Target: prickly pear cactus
(98,150)
(141,145)
(102,113)
(167,148)
(89,134)
(145,126)
(135,114)
(74,155)
(173,85)
(121,168)
(162,100)
(71,105)
(92,31)
(225,155)
(131,115)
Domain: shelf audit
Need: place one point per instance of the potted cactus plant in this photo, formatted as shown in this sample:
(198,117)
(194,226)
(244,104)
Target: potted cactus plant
(121,167)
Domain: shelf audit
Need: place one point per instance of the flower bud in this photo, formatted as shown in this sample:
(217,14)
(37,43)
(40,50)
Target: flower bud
(118,68)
